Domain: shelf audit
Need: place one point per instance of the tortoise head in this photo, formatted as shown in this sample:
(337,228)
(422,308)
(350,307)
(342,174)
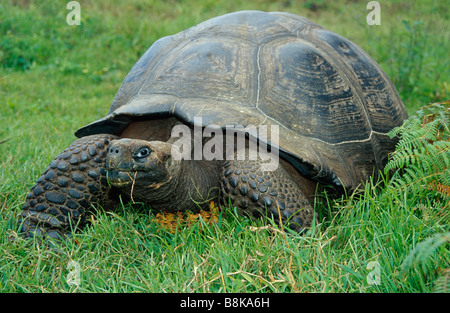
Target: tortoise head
(140,165)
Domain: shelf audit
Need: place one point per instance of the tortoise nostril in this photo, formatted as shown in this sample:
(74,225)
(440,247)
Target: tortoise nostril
(114,150)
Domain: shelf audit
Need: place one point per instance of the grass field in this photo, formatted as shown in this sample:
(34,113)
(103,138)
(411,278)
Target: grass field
(393,236)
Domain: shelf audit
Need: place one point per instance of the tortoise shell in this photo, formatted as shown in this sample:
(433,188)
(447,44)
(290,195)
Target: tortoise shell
(334,105)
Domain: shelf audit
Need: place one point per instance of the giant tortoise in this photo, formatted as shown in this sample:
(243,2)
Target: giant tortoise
(317,101)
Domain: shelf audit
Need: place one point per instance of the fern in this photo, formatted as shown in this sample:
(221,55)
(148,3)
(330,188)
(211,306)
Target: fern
(424,250)
(422,253)
(442,284)
(422,156)
(420,164)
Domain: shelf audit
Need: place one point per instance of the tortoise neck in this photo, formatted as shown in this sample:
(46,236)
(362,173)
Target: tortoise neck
(195,183)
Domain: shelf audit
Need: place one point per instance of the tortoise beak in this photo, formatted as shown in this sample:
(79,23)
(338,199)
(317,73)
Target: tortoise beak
(119,178)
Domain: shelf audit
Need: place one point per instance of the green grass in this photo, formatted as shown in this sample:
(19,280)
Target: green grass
(55,78)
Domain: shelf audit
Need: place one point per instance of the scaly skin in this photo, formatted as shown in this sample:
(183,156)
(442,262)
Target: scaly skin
(257,193)
(64,194)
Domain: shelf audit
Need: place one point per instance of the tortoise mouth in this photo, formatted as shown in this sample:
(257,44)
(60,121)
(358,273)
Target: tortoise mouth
(119,178)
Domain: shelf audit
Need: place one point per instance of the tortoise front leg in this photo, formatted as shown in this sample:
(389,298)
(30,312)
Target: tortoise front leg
(65,192)
(257,193)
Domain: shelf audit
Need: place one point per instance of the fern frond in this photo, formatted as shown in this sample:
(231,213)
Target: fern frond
(442,284)
(422,155)
(422,252)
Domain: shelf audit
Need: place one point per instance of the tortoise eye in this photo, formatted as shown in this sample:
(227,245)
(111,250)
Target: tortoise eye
(143,152)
